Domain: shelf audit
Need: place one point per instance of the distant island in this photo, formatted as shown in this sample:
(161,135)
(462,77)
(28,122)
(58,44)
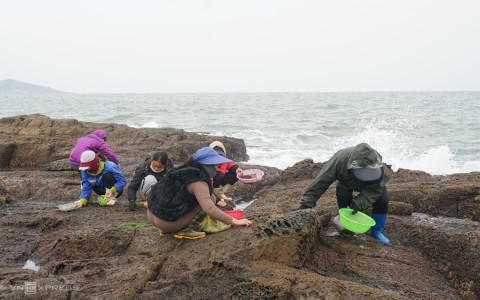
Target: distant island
(11,86)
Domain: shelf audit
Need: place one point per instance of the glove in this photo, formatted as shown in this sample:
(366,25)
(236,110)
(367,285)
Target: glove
(354,207)
(80,203)
(132,206)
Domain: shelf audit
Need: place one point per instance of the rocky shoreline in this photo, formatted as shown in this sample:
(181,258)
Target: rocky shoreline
(433,225)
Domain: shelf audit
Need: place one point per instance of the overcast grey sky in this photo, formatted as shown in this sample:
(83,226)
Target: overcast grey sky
(242,46)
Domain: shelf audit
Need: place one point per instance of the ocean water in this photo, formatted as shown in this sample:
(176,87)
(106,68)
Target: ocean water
(436,132)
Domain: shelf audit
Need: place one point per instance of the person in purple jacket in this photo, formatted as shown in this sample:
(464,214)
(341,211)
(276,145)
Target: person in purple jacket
(95,141)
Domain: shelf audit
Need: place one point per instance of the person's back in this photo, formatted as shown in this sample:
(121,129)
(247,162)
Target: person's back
(95,141)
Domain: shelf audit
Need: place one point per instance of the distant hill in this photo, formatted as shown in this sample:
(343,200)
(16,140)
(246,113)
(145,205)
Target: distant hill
(11,86)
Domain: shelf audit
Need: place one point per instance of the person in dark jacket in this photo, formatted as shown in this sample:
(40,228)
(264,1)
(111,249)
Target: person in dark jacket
(146,175)
(178,202)
(358,169)
(95,141)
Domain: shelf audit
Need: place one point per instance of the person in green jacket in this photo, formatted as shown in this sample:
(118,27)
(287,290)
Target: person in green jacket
(358,169)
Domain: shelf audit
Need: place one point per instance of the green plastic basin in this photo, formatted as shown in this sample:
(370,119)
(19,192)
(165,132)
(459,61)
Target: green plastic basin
(358,222)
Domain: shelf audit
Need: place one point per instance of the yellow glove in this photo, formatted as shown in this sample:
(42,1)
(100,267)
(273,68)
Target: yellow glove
(80,203)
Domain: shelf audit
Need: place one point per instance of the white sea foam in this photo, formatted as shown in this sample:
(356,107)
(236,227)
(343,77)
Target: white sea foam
(395,148)
(151,124)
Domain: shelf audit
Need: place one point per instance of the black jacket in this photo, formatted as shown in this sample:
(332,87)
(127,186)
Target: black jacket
(170,199)
(142,171)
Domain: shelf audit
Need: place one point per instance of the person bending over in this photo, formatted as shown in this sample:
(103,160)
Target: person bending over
(95,141)
(179,202)
(226,175)
(358,169)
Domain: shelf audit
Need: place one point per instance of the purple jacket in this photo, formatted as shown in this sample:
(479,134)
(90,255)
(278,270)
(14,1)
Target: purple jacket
(95,141)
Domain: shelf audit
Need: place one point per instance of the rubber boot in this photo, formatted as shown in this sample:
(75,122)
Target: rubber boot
(132,205)
(144,200)
(376,230)
(221,192)
(188,232)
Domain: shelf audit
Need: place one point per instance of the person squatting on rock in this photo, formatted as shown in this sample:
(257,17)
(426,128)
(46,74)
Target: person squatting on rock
(102,177)
(146,175)
(359,169)
(226,175)
(95,141)
(180,201)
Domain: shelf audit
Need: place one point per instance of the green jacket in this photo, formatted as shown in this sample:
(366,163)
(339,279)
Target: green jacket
(339,168)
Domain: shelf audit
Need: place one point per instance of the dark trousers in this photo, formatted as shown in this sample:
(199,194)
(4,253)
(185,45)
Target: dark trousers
(220,180)
(108,182)
(345,197)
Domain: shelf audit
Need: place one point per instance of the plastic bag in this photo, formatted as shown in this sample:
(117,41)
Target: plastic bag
(67,207)
(210,225)
(102,200)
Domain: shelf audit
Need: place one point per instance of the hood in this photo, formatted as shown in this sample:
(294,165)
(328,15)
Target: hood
(100,133)
(364,156)
(217,144)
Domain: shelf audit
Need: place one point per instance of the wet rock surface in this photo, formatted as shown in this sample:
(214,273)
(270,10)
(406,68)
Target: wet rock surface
(286,254)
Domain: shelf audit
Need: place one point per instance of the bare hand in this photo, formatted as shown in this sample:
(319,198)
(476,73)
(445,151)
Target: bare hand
(241,222)
(222,203)
(239,171)
(108,193)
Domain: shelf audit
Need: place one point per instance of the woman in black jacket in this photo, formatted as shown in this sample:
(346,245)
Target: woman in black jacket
(180,202)
(147,174)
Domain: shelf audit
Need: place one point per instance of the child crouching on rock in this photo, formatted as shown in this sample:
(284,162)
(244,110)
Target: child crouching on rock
(180,202)
(102,177)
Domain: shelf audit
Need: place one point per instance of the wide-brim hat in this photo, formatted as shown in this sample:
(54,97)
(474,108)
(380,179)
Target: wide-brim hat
(208,156)
(367,174)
